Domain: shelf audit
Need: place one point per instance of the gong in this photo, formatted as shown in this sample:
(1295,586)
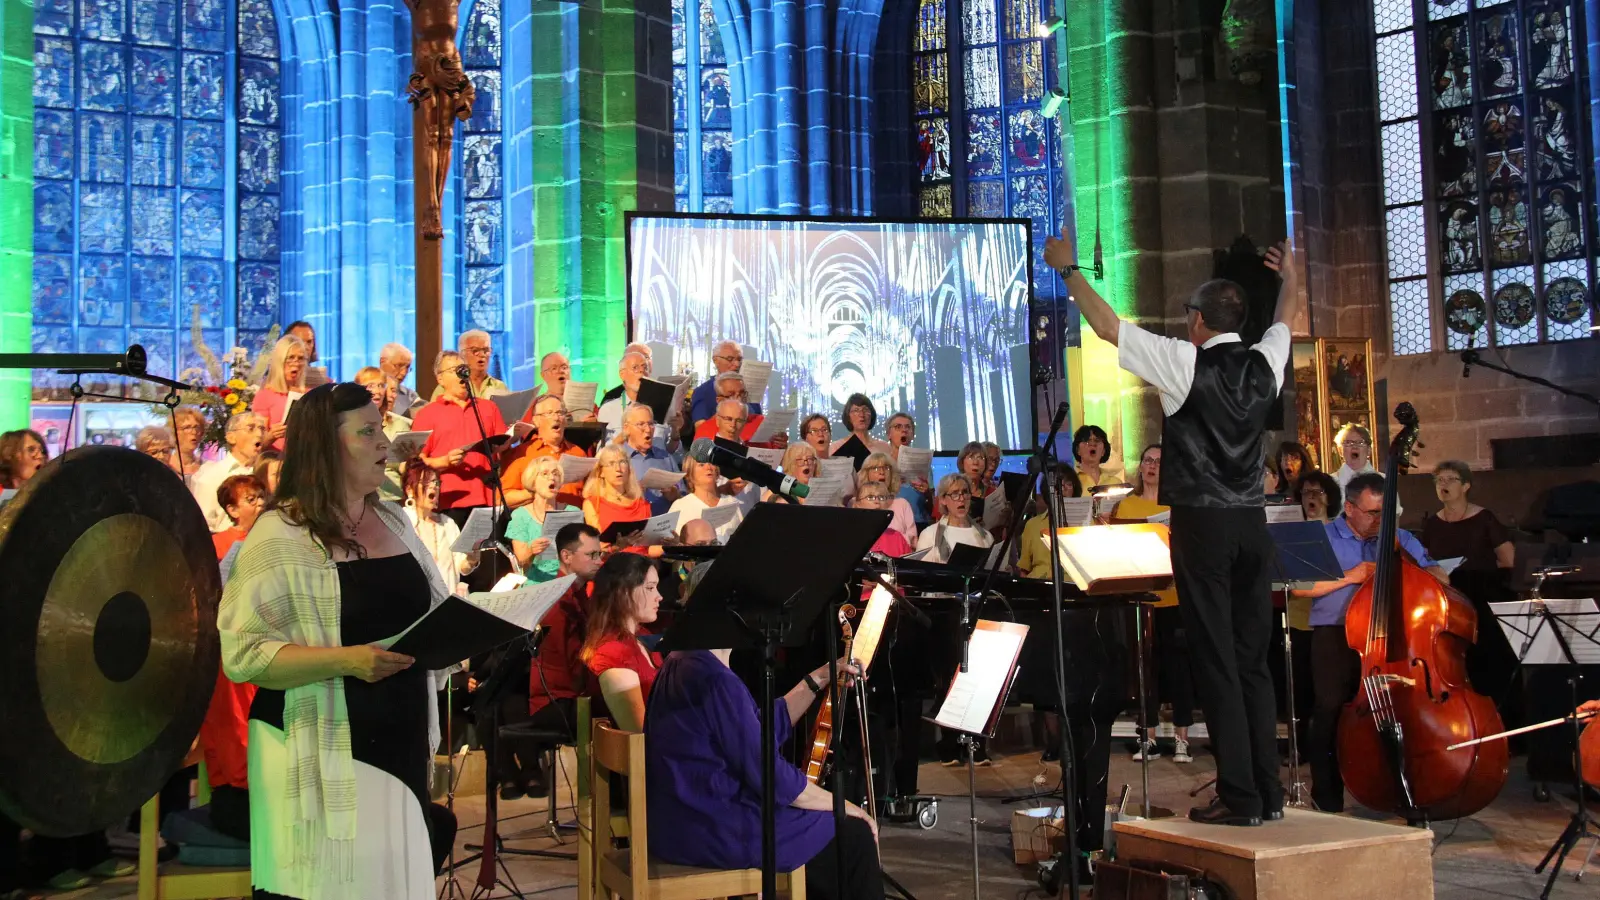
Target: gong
(108,638)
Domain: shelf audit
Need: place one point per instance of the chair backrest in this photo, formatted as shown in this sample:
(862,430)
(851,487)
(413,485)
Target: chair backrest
(583,732)
(619,752)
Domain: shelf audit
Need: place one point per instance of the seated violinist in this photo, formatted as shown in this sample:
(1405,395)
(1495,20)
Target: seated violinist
(1335,668)
(703,775)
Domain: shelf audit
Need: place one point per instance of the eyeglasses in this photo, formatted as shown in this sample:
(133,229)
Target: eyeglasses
(478,351)
(1447,479)
(615,464)
(564,367)
(559,415)
(591,554)
(730,419)
(739,358)
(819,431)
(957,495)
(1367,512)
(1192,308)
(1313,492)
(1353,442)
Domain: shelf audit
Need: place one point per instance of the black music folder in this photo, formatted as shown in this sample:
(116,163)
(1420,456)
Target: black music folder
(854,449)
(658,396)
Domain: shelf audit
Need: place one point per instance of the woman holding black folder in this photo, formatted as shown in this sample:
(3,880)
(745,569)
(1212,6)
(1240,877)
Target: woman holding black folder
(341,731)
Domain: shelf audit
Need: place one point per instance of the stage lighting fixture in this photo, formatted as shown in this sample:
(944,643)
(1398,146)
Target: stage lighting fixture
(1049,26)
(1051,105)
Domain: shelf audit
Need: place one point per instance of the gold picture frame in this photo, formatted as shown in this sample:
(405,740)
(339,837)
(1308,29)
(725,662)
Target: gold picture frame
(1333,386)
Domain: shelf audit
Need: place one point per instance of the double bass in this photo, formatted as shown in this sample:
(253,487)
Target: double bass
(1414,699)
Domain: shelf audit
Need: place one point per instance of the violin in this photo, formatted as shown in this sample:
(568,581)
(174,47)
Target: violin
(1414,699)
(860,645)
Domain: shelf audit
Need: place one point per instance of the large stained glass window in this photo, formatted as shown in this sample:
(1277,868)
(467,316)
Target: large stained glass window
(1486,178)
(981,72)
(141,136)
(482,193)
(702,114)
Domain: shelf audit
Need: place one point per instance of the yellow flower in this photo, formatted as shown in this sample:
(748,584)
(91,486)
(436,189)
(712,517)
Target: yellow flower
(236,384)
(230,399)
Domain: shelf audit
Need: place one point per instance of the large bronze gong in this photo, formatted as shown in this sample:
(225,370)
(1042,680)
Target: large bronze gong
(108,638)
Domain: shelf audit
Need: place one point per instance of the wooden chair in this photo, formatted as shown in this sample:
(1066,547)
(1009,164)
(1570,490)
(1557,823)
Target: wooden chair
(618,871)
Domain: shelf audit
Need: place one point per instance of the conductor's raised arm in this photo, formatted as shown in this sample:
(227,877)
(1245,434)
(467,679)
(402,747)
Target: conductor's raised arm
(1061,255)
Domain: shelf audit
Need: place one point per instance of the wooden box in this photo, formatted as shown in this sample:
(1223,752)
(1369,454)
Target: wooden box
(1308,854)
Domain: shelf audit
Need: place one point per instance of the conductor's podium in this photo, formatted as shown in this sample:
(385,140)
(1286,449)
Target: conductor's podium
(1308,854)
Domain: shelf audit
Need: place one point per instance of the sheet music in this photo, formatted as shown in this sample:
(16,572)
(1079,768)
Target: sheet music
(457,628)
(659,479)
(288,403)
(918,555)
(771,456)
(1076,512)
(915,463)
(828,487)
(869,628)
(514,406)
(1536,645)
(1285,513)
(554,521)
(657,529)
(575,468)
(719,516)
(756,375)
(1161,518)
(1106,501)
(480,525)
(680,387)
(975,693)
(773,422)
(525,606)
(578,397)
(1113,551)
(406,445)
(519,430)
(1450,565)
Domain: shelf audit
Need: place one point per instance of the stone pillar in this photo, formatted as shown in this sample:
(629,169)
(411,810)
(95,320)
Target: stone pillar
(602,145)
(1173,158)
(16,206)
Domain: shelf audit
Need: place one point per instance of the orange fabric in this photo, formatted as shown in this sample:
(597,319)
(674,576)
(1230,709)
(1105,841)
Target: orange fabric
(517,460)
(606,512)
(223,541)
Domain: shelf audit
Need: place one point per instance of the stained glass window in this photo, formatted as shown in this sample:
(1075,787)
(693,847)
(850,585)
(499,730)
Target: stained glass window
(702,111)
(1484,173)
(131,219)
(482,194)
(1012,162)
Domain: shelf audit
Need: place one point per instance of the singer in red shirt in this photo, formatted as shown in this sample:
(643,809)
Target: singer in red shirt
(453,419)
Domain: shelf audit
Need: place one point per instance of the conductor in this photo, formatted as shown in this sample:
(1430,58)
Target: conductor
(1215,395)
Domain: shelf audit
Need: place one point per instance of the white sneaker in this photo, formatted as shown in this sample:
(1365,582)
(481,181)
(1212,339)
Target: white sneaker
(1180,754)
(1146,748)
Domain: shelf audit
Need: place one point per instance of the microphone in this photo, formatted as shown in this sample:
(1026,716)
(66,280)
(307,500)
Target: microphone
(1099,259)
(735,465)
(464,373)
(1060,417)
(1468,357)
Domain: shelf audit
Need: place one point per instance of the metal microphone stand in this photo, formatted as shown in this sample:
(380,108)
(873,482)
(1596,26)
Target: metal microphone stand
(1040,466)
(1470,358)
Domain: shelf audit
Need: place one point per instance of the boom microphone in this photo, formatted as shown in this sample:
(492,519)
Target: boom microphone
(464,373)
(735,465)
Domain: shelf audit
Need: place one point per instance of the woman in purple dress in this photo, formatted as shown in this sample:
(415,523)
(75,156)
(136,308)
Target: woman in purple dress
(703,776)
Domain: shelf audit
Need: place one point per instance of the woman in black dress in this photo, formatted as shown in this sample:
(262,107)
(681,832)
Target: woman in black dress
(341,731)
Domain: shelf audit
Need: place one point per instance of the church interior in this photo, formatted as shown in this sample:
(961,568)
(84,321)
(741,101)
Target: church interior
(860,192)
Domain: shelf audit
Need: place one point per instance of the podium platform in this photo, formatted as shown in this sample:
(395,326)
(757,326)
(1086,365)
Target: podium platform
(1308,854)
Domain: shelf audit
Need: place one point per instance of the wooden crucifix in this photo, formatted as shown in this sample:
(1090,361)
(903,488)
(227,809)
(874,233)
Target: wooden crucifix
(441,94)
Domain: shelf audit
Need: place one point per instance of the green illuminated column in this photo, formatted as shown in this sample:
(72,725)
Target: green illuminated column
(602,146)
(16,205)
(1117,199)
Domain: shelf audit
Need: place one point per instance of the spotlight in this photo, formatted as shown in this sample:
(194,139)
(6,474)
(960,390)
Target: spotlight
(1048,26)
(1052,102)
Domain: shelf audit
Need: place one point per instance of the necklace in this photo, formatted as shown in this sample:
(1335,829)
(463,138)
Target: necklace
(356,525)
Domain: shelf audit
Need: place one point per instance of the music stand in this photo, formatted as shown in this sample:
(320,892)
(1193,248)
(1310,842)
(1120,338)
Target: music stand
(1303,556)
(975,699)
(765,591)
(1558,633)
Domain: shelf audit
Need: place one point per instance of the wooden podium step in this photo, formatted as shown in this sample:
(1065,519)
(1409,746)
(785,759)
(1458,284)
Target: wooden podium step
(1308,854)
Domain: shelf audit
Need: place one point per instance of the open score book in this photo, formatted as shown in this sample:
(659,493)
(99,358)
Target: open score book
(1112,559)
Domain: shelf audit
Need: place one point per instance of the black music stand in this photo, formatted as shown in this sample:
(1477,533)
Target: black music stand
(1304,556)
(1562,630)
(765,591)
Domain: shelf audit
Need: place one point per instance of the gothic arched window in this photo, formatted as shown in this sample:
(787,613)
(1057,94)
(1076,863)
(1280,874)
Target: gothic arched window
(984,147)
(483,177)
(157,162)
(1486,173)
(702,118)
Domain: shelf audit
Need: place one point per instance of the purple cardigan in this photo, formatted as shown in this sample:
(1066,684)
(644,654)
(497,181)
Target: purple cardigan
(703,774)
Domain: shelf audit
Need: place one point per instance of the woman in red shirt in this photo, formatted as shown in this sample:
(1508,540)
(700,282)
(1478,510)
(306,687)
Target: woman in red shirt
(626,596)
(224,734)
(612,494)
